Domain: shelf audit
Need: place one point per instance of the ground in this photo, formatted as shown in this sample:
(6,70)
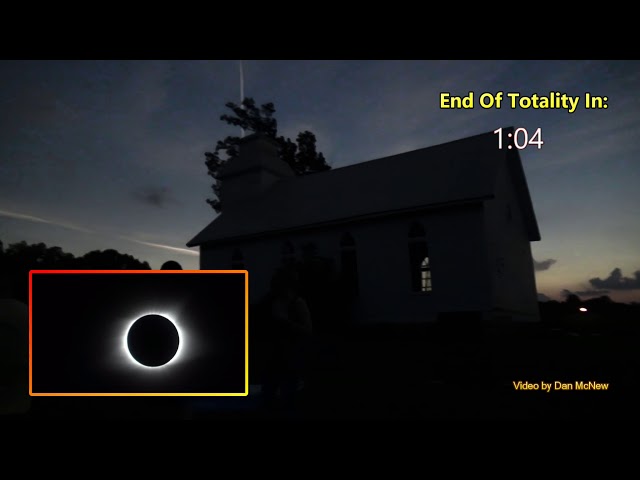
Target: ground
(436,375)
(428,373)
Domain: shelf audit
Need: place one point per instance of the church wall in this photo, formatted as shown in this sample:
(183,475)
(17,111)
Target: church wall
(512,272)
(260,259)
(458,264)
(457,267)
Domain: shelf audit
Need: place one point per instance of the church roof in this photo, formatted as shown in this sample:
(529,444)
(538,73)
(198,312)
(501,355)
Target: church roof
(461,171)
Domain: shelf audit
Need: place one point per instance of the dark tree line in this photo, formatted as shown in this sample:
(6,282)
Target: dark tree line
(17,259)
(599,312)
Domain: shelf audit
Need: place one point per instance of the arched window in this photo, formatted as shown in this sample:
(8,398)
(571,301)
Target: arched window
(349,263)
(237,260)
(288,253)
(419,262)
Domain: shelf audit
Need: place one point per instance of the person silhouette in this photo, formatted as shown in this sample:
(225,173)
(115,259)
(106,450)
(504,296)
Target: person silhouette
(171,265)
(14,352)
(288,331)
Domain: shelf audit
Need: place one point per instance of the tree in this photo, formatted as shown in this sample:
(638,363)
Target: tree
(18,259)
(571,303)
(307,159)
(302,155)
(110,259)
(572,299)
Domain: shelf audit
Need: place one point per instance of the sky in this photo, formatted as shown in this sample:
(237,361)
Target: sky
(110,154)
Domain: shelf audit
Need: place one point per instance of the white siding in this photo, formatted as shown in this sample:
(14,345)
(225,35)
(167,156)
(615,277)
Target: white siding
(456,251)
(512,272)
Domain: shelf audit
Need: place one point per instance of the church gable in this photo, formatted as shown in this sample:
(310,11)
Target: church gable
(507,212)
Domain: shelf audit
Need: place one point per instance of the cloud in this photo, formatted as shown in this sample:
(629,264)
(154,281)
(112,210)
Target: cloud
(585,293)
(591,293)
(543,265)
(31,218)
(615,281)
(165,247)
(155,196)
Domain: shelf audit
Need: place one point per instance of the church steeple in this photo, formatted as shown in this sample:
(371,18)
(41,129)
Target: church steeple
(256,168)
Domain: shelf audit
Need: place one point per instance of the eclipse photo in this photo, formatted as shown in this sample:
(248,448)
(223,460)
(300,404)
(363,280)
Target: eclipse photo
(153,340)
(138,333)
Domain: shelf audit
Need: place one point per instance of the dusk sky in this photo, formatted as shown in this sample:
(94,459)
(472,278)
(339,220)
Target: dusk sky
(110,154)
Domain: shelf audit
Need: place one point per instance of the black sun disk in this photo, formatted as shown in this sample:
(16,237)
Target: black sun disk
(153,340)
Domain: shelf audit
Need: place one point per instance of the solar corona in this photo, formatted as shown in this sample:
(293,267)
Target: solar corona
(152,341)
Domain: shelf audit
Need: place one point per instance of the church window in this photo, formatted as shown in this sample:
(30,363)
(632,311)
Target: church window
(419,262)
(425,275)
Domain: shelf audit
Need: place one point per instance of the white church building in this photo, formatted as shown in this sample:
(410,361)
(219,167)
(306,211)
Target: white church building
(423,235)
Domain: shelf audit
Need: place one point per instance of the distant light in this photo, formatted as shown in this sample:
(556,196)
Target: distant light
(582,309)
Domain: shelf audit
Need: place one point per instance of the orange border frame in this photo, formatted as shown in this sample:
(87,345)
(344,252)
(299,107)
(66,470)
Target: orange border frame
(246,336)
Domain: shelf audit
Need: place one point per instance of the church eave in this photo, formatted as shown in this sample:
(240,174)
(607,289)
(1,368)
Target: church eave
(200,239)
